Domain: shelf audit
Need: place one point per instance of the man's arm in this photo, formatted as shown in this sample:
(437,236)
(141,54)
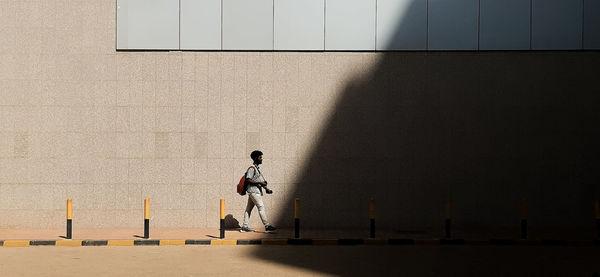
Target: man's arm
(263,183)
(250,175)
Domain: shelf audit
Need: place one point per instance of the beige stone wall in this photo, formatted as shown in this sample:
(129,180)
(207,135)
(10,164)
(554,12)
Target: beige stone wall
(413,129)
(107,129)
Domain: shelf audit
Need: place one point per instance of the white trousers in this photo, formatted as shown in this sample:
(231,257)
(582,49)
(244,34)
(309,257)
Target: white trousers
(255,199)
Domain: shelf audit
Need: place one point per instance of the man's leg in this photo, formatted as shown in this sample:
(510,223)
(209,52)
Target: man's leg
(248,211)
(257,199)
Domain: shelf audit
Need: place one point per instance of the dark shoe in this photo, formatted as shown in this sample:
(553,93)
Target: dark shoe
(245,229)
(269,228)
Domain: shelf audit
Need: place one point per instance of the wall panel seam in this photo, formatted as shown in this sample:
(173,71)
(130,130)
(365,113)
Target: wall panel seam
(427,28)
(530,24)
(479,25)
(179,28)
(583,24)
(376,7)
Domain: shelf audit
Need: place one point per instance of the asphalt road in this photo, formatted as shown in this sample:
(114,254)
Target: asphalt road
(300,260)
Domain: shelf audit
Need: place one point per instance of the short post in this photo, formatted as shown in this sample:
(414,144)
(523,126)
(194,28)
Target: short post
(448,221)
(69,219)
(297,218)
(597,211)
(147,218)
(222,220)
(372,217)
(524,219)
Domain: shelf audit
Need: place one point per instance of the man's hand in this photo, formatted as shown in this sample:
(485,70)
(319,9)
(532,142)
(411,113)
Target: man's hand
(268,191)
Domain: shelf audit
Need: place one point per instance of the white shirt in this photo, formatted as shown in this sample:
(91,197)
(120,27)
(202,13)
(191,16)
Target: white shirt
(255,176)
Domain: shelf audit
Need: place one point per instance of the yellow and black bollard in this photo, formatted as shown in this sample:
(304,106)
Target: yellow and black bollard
(297,218)
(448,221)
(147,218)
(524,219)
(597,211)
(372,217)
(69,219)
(222,221)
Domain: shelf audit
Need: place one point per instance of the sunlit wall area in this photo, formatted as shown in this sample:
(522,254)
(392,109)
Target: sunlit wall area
(108,129)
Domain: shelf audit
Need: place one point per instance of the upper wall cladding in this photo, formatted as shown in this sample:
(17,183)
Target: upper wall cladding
(358,25)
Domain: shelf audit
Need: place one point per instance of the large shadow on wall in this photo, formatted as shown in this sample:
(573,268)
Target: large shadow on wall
(483,129)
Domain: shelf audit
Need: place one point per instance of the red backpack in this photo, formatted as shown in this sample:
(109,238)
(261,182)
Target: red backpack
(242,185)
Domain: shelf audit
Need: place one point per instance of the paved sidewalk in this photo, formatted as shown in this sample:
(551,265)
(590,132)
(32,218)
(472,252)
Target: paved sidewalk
(180,234)
(286,233)
(300,261)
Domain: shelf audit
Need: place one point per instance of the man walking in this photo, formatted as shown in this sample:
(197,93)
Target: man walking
(256,183)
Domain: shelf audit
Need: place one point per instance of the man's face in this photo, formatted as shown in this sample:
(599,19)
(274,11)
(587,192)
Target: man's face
(259,160)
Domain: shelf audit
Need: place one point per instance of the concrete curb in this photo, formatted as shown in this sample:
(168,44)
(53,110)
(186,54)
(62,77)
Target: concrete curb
(345,241)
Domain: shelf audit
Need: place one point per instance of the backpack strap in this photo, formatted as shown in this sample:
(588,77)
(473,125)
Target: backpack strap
(249,169)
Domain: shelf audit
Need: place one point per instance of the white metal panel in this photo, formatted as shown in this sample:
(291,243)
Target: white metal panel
(299,24)
(350,24)
(591,25)
(200,25)
(401,24)
(148,24)
(453,24)
(247,25)
(557,24)
(505,25)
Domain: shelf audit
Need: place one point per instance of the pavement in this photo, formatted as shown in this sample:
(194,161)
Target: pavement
(180,234)
(211,236)
(254,260)
(398,254)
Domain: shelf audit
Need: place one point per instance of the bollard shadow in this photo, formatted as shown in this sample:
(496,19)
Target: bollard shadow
(231,223)
(483,129)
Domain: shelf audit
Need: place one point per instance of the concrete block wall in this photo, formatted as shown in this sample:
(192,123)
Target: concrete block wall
(107,129)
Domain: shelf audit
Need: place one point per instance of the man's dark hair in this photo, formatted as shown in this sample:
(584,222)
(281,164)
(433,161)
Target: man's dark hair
(255,154)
